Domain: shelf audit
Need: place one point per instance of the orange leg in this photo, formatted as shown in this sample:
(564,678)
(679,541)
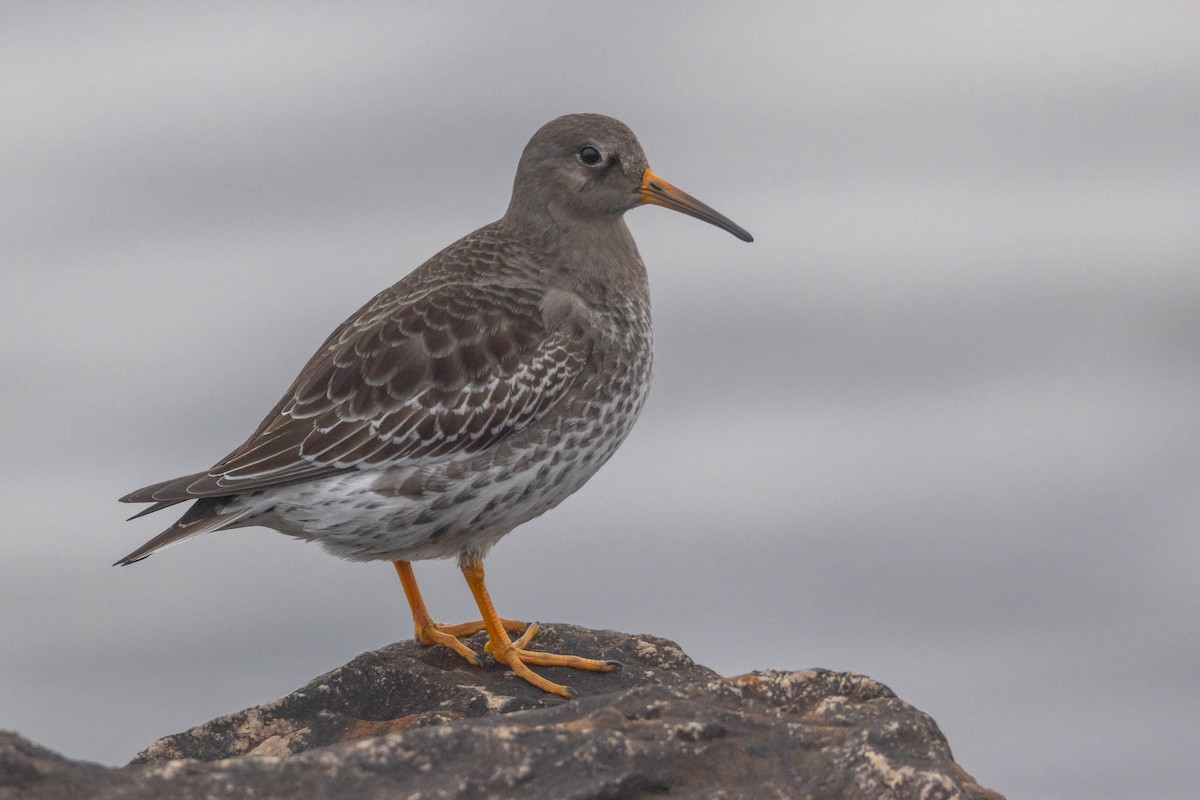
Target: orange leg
(429,632)
(513,653)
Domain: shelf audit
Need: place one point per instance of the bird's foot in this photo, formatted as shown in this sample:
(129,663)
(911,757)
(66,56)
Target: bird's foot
(430,633)
(518,659)
(513,653)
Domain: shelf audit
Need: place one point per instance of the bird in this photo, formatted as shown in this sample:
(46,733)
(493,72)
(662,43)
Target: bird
(475,394)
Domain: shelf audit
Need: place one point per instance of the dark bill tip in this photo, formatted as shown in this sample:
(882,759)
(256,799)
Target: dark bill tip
(656,191)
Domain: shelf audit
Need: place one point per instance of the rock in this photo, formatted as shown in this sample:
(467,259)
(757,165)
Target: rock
(414,722)
(28,770)
(406,686)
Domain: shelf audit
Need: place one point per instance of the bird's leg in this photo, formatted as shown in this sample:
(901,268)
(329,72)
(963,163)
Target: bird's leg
(429,632)
(514,654)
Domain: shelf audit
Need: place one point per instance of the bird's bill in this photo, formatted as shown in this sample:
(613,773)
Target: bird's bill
(658,192)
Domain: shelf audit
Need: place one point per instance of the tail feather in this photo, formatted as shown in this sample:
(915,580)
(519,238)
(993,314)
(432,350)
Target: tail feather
(203,517)
(175,489)
(156,507)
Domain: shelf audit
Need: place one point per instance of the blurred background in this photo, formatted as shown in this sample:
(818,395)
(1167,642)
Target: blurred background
(938,424)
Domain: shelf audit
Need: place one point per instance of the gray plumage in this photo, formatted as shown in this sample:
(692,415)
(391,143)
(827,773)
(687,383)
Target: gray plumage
(477,392)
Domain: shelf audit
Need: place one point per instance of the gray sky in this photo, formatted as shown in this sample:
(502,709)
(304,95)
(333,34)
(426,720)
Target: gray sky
(938,424)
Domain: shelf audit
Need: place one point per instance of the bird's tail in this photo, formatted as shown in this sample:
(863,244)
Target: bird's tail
(207,514)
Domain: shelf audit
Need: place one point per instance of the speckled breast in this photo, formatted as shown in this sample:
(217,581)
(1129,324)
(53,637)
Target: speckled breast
(466,505)
(544,465)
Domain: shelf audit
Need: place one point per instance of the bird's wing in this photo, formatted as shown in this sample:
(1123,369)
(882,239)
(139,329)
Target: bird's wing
(409,379)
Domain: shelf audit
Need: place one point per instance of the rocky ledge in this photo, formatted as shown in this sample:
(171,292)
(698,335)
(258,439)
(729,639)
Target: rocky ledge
(414,722)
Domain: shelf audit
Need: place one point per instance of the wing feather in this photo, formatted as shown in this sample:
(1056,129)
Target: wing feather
(442,373)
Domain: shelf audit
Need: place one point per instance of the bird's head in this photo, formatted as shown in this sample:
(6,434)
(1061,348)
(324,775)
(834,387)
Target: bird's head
(584,167)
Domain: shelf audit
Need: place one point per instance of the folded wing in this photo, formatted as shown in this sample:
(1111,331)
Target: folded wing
(408,380)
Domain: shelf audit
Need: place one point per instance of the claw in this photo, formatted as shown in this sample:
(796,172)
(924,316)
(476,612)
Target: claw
(526,637)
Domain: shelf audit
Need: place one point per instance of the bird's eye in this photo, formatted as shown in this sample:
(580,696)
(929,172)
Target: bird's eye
(590,156)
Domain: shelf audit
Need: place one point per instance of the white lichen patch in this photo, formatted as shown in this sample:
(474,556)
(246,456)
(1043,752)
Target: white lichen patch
(928,784)
(167,770)
(255,731)
(645,649)
(511,775)
(691,731)
(504,733)
(832,706)
(495,702)
(674,652)
(271,746)
(792,680)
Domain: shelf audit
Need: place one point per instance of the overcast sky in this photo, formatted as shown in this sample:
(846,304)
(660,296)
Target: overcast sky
(939,424)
